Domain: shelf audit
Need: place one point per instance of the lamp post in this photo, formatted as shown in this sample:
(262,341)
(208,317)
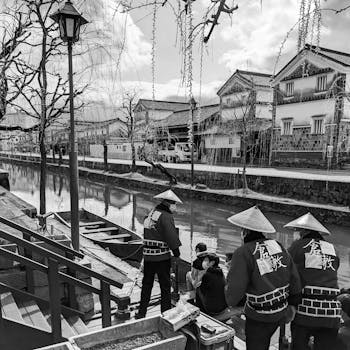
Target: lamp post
(70,21)
(193,105)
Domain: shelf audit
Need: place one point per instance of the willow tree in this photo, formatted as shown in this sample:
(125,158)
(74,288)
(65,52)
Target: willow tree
(14,24)
(40,87)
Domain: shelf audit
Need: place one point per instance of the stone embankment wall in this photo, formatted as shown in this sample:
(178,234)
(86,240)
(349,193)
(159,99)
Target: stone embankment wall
(316,191)
(312,193)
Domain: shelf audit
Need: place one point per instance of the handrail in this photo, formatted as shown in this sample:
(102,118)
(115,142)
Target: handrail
(69,263)
(23,260)
(42,238)
(54,275)
(66,311)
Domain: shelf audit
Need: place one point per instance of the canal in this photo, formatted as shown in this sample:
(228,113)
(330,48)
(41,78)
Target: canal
(198,221)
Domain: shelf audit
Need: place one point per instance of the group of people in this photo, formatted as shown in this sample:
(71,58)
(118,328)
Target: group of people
(275,285)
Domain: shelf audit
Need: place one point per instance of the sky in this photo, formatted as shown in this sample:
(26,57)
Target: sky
(249,39)
(118,46)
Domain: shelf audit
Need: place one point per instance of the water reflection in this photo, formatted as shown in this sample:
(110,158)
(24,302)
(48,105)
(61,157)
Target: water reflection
(198,221)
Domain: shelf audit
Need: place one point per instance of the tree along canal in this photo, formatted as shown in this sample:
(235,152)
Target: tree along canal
(198,221)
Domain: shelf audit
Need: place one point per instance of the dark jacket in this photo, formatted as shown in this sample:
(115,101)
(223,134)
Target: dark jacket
(212,291)
(263,270)
(317,263)
(197,263)
(160,235)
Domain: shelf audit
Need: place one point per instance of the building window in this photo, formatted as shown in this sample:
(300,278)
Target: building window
(321,83)
(290,89)
(230,140)
(287,127)
(212,140)
(318,126)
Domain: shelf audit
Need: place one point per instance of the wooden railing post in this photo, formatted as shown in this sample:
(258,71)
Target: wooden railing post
(0,314)
(72,300)
(29,271)
(55,301)
(105,301)
(123,312)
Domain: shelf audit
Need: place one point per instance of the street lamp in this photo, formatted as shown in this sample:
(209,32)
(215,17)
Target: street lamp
(70,21)
(193,105)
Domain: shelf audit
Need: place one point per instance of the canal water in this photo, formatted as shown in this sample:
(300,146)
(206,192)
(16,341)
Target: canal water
(198,221)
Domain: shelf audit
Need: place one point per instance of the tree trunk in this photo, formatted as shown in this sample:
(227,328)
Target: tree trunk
(133,226)
(42,147)
(133,155)
(42,172)
(172,178)
(244,176)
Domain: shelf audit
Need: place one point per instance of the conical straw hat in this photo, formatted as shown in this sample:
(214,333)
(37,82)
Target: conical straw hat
(309,222)
(168,195)
(252,219)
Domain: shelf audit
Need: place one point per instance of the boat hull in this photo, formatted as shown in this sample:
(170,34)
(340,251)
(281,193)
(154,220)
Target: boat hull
(129,248)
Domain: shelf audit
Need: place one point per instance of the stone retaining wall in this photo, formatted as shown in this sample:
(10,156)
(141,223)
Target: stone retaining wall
(292,188)
(317,191)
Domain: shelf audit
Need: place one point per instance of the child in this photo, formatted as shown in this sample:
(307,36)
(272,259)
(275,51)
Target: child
(211,293)
(194,277)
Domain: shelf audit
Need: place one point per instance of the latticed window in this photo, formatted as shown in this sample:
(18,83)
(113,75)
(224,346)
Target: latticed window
(290,89)
(318,126)
(287,127)
(321,83)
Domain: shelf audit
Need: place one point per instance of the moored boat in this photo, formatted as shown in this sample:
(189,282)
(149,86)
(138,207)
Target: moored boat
(122,242)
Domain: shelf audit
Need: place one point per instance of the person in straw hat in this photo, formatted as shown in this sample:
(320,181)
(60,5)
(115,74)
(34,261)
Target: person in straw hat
(263,271)
(318,314)
(160,237)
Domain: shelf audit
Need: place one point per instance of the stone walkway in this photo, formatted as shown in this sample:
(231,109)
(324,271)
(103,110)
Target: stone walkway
(309,174)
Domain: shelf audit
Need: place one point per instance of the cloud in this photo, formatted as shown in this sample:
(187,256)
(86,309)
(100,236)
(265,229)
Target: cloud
(112,37)
(257,32)
(167,90)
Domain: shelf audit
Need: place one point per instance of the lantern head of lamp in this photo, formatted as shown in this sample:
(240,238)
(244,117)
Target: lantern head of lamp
(69,21)
(193,103)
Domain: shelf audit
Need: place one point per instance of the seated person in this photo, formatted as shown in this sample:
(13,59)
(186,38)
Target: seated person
(210,297)
(227,265)
(194,277)
(228,260)
(343,341)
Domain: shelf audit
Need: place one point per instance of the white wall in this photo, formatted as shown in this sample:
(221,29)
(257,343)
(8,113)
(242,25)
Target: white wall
(233,142)
(234,113)
(264,95)
(306,83)
(346,109)
(235,97)
(115,151)
(264,111)
(303,111)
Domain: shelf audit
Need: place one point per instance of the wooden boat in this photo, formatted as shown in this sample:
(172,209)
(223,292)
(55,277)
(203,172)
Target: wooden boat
(122,242)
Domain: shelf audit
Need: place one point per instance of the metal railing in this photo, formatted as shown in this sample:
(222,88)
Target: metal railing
(55,277)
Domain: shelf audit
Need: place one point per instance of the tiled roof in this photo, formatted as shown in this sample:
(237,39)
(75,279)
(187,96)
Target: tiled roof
(18,119)
(339,57)
(336,56)
(258,79)
(181,117)
(163,105)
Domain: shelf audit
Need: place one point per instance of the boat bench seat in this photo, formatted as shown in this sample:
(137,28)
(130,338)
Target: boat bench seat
(102,236)
(120,236)
(102,229)
(94,223)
